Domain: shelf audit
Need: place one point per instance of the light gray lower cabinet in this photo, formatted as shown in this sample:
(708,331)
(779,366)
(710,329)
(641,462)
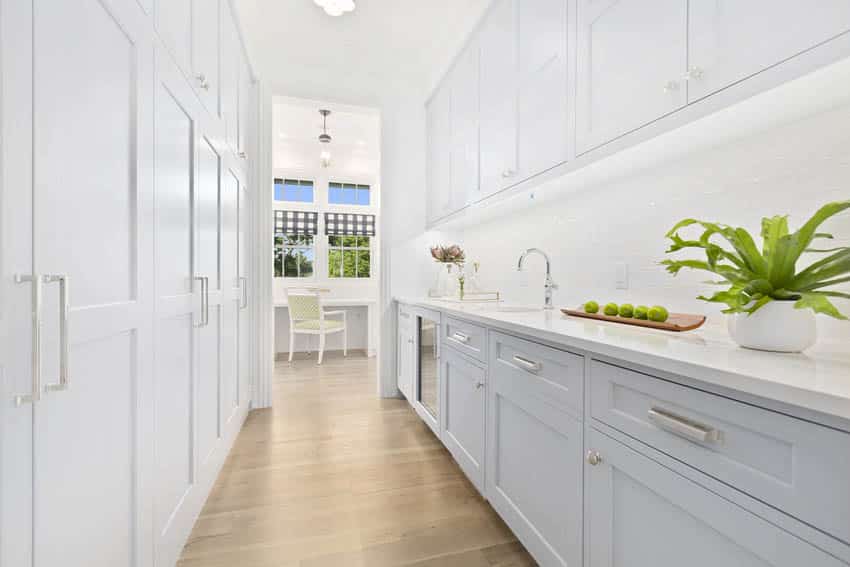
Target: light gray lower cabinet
(534,450)
(464,388)
(641,513)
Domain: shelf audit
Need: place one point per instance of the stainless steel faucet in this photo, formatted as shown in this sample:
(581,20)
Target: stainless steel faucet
(549,284)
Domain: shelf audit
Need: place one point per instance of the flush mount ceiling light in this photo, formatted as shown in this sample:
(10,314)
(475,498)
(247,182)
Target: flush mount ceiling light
(324,137)
(336,7)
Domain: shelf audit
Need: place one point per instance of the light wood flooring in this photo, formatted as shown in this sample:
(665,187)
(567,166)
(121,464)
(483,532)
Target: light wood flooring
(335,476)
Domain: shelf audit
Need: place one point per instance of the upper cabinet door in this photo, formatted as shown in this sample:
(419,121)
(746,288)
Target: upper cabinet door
(498,82)
(464,128)
(630,65)
(542,88)
(246,89)
(230,61)
(174,24)
(730,40)
(205,41)
(439,156)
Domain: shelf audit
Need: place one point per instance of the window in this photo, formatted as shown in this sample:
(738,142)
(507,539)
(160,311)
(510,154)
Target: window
(348,194)
(294,243)
(296,190)
(349,257)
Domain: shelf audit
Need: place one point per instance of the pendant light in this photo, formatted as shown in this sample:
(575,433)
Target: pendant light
(325,138)
(336,7)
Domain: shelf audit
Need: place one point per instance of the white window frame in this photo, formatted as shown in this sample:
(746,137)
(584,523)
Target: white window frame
(297,247)
(342,249)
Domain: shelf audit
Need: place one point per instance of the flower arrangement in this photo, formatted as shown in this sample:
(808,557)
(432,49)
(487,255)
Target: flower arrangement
(453,254)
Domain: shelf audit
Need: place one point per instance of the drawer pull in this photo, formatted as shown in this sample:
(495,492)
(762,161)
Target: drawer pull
(460,337)
(529,365)
(683,426)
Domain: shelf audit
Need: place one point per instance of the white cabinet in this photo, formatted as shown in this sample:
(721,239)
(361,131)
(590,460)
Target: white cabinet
(230,61)
(543,100)
(246,102)
(498,97)
(729,40)
(642,513)
(464,403)
(405,353)
(174,26)
(632,56)
(438,116)
(464,129)
(205,45)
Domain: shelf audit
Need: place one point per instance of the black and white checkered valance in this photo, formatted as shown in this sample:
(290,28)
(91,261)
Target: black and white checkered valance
(349,224)
(296,222)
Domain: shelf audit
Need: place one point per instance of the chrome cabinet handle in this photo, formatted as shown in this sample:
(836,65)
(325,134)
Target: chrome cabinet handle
(205,300)
(64,336)
(508,173)
(35,395)
(243,284)
(479,385)
(460,337)
(671,86)
(243,155)
(529,365)
(593,457)
(202,81)
(683,426)
(694,74)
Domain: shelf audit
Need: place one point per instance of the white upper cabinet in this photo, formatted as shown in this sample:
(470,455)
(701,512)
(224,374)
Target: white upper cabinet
(542,85)
(630,66)
(729,40)
(464,128)
(498,107)
(174,25)
(230,62)
(246,97)
(205,42)
(438,120)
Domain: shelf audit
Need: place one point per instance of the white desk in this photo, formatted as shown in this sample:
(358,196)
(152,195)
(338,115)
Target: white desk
(370,305)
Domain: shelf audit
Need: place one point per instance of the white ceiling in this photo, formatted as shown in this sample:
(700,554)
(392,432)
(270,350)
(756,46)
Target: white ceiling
(360,57)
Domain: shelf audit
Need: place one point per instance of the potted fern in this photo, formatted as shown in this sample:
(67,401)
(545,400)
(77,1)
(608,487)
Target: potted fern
(772,303)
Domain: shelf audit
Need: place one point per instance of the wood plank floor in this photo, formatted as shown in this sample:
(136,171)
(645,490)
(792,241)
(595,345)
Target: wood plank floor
(335,476)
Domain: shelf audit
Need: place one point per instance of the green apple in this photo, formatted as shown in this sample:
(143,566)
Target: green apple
(611,309)
(591,307)
(658,314)
(627,310)
(641,312)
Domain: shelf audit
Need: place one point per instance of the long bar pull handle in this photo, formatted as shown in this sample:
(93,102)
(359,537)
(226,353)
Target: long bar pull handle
(64,336)
(35,395)
(460,337)
(243,285)
(529,365)
(205,300)
(683,426)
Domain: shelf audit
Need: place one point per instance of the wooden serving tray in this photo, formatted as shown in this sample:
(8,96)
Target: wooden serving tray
(676,322)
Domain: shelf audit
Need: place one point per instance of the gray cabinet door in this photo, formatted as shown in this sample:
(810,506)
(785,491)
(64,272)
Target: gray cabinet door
(534,456)
(641,513)
(463,414)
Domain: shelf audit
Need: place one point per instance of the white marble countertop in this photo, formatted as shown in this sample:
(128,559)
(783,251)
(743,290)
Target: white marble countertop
(817,380)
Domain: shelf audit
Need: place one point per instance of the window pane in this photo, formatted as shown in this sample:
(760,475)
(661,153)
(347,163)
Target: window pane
(278,257)
(363,264)
(363,195)
(290,190)
(305,258)
(349,263)
(335,194)
(334,263)
(349,194)
(278,190)
(334,241)
(363,242)
(290,264)
(349,241)
(307,193)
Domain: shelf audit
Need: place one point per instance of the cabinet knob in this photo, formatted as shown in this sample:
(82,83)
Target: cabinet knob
(671,86)
(508,173)
(243,155)
(693,74)
(594,458)
(202,81)
(479,385)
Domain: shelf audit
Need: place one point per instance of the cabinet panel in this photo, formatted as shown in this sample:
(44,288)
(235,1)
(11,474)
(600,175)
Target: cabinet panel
(542,85)
(174,25)
(534,470)
(641,513)
(630,63)
(464,128)
(498,98)
(729,41)
(230,58)
(205,52)
(463,414)
(246,97)
(405,353)
(439,154)
(466,337)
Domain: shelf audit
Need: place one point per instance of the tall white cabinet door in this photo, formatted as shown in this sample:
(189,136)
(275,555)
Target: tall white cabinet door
(463,412)
(230,58)
(173,20)
(498,102)
(246,101)
(542,85)
(93,243)
(438,116)
(243,301)
(207,257)
(177,309)
(641,513)
(464,128)
(205,52)
(729,41)
(16,299)
(230,298)
(630,65)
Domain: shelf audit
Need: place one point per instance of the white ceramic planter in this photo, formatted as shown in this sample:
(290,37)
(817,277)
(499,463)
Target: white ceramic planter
(777,326)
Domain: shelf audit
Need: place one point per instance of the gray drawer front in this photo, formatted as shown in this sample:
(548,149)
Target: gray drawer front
(550,375)
(466,337)
(794,465)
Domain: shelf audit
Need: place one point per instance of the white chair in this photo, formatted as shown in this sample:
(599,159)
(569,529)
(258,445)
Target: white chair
(307,317)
